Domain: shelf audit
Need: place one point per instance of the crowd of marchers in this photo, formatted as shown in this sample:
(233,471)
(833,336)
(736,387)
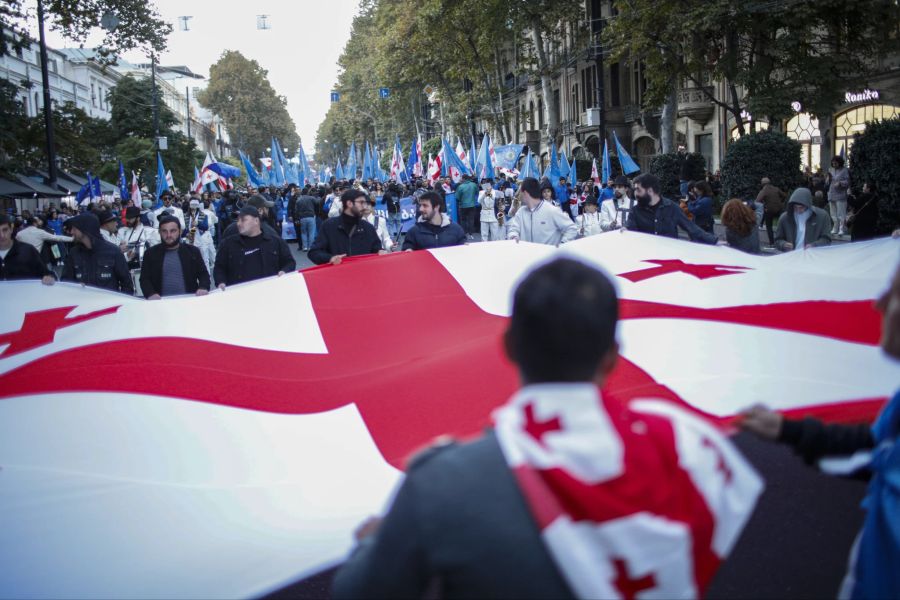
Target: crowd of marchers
(188,244)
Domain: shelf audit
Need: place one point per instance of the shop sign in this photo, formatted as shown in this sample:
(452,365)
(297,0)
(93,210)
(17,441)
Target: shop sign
(863,96)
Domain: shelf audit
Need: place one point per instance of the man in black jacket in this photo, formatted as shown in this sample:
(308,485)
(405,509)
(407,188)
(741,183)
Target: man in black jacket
(94,261)
(434,228)
(172,268)
(253,254)
(347,234)
(18,260)
(660,216)
(262,206)
(304,216)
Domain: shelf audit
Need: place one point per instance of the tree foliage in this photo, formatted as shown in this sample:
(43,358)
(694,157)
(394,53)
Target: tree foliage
(873,159)
(239,91)
(139,25)
(763,154)
(667,167)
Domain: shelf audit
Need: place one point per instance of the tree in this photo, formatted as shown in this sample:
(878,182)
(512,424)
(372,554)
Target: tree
(239,91)
(15,125)
(768,54)
(763,154)
(138,24)
(873,159)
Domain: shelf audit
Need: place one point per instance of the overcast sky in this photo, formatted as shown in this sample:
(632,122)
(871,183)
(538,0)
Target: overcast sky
(300,51)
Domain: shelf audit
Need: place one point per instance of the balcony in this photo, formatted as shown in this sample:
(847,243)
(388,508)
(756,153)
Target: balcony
(694,103)
(567,127)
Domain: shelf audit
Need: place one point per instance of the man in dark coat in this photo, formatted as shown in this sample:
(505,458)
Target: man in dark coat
(253,254)
(263,207)
(660,216)
(348,234)
(94,261)
(434,229)
(172,268)
(19,260)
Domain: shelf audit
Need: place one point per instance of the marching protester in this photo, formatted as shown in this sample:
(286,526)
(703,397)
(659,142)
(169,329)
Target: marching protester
(262,206)
(33,233)
(700,206)
(838,182)
(173,268)
(660,216)
(109,226)
(802,225)
(875,555)
(202,239)
(167,198)
(528,509)
(467,204)
(740,226)
(255,252)
(433,229)
(304,216)
(20,260)
(92,260)
(614,211)
(135,237)
(489,200)
(588,223)
(348,234)
(392,197)
(538,220)
(379,223)
(772,200)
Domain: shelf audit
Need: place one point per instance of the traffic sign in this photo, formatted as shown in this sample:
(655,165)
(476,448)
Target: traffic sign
(335,96)
(429,90)
(384,93)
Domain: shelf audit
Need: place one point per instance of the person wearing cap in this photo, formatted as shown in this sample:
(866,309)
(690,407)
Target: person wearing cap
(169,207)
(20,260)
(92,260)
(173,268)
(588,222)
(109,226)
(147,216)
(802,225)
(135,236)
(254,253)
(262,206)
(614,212)
(348,234)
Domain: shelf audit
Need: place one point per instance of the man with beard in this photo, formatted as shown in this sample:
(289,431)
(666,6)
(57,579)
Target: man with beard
(434,229)
(135,236)
(252,254)
(614,212)
(94,261)
(347,234)
(172,268)
(660,216)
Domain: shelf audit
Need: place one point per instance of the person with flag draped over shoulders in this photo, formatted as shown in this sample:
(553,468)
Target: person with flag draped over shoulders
(571,493)
(858,450)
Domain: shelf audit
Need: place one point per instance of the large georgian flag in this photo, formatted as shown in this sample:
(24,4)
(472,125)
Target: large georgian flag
(225,445)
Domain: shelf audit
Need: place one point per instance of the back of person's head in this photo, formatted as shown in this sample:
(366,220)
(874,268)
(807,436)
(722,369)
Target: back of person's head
(738,217)
(704,190)
(531,187)
(551,345)
(435,199)
(649,181)
(352,194)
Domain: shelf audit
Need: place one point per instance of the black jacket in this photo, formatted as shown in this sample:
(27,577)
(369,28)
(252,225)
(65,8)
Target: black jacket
(305,207)
(23,262)
(422,236)
(664,219)
(103,266)
(195,274)
(459,521)
(813,439)
(232,230)
(333,239)
(230,269)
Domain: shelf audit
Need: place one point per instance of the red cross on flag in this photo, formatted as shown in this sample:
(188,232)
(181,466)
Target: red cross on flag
(159,448)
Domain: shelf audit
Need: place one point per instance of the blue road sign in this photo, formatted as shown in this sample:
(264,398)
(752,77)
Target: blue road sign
(335,96)
(384,93)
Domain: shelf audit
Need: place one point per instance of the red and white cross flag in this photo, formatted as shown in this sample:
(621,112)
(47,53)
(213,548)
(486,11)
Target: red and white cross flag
(149,449)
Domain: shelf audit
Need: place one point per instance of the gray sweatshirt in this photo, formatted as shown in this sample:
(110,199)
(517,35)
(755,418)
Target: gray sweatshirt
(546,224)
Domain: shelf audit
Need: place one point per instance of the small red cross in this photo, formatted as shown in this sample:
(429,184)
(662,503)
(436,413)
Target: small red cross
(721,465)
(537,429)
(40,327)
(677,266)
(631,587)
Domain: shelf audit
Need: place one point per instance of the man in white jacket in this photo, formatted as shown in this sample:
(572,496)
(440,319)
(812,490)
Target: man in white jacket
(35,235)
(489,200)
(135,237)
(588,222)
(614,211)
(538,220)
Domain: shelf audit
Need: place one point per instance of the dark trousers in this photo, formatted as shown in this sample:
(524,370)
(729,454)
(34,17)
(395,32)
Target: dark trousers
(467,218)
(769,219)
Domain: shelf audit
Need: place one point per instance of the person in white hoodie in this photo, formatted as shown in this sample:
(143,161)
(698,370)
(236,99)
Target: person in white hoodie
(489,200)
(379,223)
(538,220)
(588,222)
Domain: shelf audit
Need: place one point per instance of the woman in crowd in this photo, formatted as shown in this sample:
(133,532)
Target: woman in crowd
(740,226)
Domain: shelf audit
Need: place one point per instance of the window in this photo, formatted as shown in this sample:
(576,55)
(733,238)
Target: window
(540,113)
(805,129)
(532,118)
(703,144)
(854,121)
(614,97)
(93,95)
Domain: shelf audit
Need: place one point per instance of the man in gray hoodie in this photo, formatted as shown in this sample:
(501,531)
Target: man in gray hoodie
(802,225)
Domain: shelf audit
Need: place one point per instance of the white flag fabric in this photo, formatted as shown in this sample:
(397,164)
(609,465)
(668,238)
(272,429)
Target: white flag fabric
(190,448)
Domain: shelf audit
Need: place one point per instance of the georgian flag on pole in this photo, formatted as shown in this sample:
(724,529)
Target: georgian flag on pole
(148,451)
(135,190)
(595,176)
